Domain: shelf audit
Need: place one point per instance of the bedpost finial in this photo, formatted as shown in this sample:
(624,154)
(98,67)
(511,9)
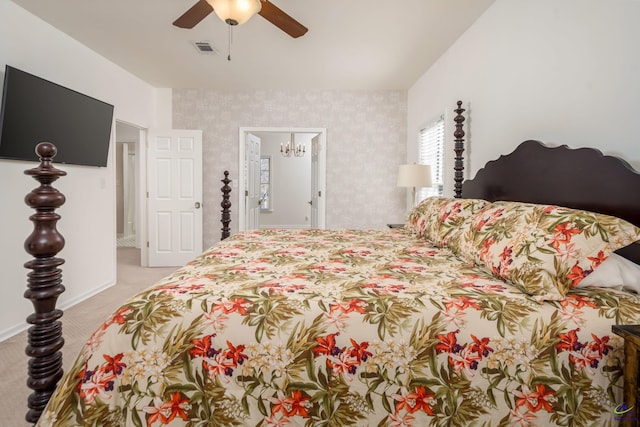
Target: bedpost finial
(45,173)
(46,150)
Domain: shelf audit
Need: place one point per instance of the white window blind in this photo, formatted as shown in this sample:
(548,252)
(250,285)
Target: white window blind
(431,152)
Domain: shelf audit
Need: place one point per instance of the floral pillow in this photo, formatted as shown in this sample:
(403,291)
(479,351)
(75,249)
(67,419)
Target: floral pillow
(545,250)
(416,223)
(442,220)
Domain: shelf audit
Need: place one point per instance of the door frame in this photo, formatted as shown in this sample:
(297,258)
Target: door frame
(322,169)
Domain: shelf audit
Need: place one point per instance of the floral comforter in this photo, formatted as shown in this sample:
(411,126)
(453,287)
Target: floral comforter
(345,327)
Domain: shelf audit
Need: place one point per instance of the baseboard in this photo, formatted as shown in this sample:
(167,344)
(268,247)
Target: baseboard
(23,326)
(14,330)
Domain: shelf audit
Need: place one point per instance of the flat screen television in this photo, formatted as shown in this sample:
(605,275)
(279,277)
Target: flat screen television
(36,110)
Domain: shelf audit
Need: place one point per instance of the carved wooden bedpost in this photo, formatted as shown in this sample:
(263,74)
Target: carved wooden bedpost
(458,147)
(226,204)
(44,284)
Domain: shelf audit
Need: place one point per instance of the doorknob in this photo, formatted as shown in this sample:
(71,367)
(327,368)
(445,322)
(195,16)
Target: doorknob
(310,202)
(197,205)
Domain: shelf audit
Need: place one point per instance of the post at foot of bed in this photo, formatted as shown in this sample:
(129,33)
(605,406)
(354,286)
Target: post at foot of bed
(44,284)
(226,205)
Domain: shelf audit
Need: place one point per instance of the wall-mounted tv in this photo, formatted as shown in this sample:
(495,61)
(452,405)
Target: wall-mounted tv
(36,110)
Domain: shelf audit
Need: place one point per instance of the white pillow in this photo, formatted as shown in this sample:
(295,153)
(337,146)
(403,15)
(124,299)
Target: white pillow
(614,272)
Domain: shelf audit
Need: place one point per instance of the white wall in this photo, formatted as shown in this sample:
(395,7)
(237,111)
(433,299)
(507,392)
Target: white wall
(560,71)
(88,216)
(290,181)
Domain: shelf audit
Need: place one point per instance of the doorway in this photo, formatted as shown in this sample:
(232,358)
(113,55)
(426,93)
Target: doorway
(291,189)
(125,194)
(130,182)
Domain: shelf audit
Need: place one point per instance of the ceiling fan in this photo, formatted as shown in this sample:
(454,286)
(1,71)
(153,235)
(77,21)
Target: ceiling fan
(264,8)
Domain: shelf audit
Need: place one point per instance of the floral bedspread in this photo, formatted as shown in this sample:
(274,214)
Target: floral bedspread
(341,328)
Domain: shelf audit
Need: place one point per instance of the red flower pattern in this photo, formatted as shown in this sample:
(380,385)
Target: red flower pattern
(350,306)
(597,260)
(235,353)
(297,404)
(481,346)
(448,343)
(418,400)
(461,303)
(563,234)
(569,341)
(202,348)
(537,399)
(576,274)
(114,364)
(238,305)
(326,346)
(359,351)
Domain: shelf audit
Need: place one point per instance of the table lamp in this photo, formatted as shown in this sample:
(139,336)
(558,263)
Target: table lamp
(414,176)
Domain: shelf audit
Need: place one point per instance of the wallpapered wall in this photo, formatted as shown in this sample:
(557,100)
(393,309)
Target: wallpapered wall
(366,141)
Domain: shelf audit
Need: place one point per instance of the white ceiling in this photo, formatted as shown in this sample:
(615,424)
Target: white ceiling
(351,44)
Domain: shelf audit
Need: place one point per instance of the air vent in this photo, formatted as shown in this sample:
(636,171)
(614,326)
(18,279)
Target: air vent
(205,47)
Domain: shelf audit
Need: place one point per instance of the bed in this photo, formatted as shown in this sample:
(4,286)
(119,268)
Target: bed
(484,310)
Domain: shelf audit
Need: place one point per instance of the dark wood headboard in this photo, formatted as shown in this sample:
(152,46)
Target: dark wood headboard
(582,178)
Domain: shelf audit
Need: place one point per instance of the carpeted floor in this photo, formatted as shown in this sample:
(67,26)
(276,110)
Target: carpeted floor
(78,324)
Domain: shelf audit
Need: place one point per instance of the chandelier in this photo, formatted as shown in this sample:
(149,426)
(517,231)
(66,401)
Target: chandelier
(291,148)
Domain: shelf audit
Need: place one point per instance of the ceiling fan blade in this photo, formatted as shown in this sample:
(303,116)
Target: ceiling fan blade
(194,15)
(277,17)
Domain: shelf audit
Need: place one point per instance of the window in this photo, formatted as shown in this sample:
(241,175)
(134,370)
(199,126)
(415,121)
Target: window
(265,183)
(431,152)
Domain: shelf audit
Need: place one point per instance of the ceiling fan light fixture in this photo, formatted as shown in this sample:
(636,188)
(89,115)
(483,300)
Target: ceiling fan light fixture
(235,12)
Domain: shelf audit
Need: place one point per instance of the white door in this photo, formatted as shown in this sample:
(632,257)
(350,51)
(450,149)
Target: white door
(315,188)
(252,182)
(174,197)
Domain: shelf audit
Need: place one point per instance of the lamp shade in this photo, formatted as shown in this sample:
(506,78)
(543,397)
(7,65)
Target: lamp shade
(414,176)
(235,12)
